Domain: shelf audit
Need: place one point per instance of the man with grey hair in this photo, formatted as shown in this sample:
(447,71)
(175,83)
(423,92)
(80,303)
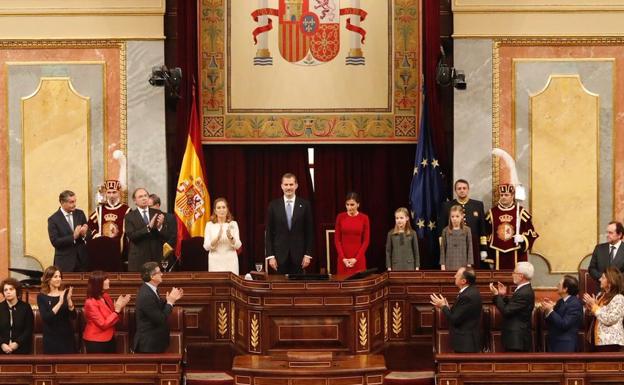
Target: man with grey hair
(517,310)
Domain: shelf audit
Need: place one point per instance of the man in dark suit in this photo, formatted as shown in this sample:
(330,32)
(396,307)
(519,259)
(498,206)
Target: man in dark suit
(564,318)
(609,253)
(289,230)
(170,231)
(68,229)
(474,217)
(145,229)
(517,310)
(465,315)
(152,329)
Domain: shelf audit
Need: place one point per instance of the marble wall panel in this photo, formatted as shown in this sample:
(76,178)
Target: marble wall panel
(473,118)
(147,156)
(23,80)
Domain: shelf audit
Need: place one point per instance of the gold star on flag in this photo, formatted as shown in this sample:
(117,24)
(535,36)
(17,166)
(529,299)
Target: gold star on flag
(415,170)
(435,163)
(424,162)
(431,225)
(420,223)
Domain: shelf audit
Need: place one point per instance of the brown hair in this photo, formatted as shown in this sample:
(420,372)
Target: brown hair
(408,226)
(461,223)
(15,283)
(289,175)
(213,216)
(619,228)
(95,285)
(47,276)
(352,196)
(614,279)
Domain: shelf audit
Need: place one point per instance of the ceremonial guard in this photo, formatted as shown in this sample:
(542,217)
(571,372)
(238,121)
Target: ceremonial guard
(511,232)
(108,218)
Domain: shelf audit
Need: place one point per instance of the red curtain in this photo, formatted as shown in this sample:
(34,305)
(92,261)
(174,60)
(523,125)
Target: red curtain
(186,59)
(249,177)
(431,55)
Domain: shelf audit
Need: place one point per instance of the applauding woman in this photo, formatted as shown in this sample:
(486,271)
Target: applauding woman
(16,320)
(221,239)
(57,310)
(352,237)
(607,332)
(101,314)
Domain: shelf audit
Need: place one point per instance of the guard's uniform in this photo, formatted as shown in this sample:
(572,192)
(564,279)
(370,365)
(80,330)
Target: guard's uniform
(503,252)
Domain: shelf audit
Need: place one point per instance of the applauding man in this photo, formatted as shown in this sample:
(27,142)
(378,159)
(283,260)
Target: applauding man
(152,329)
(464,316)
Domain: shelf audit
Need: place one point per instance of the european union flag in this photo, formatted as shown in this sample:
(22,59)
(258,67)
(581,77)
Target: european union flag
(428,189)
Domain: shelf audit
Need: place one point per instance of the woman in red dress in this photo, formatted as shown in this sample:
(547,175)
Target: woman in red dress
(352,237)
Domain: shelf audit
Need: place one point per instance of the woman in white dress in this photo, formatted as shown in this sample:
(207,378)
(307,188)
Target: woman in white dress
(221,239)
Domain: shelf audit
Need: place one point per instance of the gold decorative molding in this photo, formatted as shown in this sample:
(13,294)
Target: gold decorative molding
(82,7)
(232,321)
(363,330)
(535,5)
(254,334)
(492,18)
(386,321)
(82,19)
(397,320)
(222,320)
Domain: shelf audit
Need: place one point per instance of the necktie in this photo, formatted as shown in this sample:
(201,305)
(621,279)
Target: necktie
(289,213)
(145,217)
(70,221)
(612,253)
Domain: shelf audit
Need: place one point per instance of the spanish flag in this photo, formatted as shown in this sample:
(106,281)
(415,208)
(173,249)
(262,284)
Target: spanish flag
(192,201)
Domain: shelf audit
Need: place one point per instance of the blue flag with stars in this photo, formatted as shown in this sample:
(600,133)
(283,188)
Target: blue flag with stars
(427,189)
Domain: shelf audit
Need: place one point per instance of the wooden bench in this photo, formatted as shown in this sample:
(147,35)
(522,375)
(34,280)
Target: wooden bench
(530,368)
(102,369)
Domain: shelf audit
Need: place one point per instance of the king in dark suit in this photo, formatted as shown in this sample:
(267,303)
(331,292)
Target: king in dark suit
(517,310)
(152,312)
(68,229)
(603,257)
(146,232)
(289,236)
(465,315)
(564,319)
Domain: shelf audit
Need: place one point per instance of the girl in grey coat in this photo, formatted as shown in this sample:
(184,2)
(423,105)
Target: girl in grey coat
(456,242)
(402,244)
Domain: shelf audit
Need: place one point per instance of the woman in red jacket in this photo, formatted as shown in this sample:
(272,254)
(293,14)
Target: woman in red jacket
(101,314)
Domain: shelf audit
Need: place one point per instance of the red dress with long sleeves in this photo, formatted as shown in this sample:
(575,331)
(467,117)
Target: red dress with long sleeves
(351,239)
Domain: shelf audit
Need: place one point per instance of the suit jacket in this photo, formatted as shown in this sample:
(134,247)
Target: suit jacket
(464,321)
(289,246)
(69,254)
(144,245)
(600,260)
(152,328)
(517,312)
(563,324)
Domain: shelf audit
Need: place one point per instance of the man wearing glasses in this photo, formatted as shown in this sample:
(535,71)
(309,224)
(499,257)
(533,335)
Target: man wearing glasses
(152,329)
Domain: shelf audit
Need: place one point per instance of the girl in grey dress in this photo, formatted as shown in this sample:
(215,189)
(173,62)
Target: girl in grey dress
(402,244)
(456,243)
